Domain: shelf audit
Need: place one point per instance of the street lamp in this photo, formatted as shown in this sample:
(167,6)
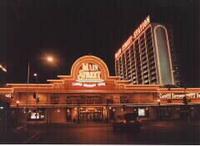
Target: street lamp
(3,68)
(36,77)
(49,59)
(35,74)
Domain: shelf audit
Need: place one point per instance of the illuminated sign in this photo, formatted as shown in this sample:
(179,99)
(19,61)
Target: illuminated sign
(127,43)
(89,75)
(118,53)
(142,26)
(166,96)
(8,95)
(179,96)
(124,46)
(141,112)
(89,72)
(36,116)
(88,85)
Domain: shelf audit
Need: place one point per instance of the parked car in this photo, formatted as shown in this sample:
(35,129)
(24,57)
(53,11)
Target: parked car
(127,122)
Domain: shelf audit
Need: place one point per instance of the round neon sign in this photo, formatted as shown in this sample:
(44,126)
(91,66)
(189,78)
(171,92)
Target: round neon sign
(89,71)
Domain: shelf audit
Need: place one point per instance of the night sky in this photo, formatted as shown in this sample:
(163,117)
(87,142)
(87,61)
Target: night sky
(29,29)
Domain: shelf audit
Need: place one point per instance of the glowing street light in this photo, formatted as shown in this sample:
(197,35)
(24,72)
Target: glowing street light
(35,74)
(3,68)
(49,59)
(36,77)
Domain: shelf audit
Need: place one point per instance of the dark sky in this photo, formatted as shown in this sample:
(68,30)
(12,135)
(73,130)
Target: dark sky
(71,28)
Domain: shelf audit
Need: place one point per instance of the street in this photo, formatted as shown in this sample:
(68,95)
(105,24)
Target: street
(159,132)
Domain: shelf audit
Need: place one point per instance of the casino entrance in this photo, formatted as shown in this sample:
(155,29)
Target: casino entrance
(87,108)
(87,114)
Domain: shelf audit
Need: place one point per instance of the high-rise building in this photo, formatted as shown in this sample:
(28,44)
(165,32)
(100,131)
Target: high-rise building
(145,58)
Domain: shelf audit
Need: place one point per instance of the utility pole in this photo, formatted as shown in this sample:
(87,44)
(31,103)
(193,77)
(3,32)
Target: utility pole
(28,73)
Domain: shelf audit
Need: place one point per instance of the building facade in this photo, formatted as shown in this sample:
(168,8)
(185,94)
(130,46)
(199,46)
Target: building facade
(145,58)
(89,93)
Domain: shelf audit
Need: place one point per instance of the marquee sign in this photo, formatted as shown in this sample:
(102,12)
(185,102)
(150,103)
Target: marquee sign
(136,33)
(89,71)
(179,96)
(142,26)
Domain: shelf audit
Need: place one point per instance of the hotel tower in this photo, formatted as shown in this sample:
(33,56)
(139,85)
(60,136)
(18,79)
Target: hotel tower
(145,58)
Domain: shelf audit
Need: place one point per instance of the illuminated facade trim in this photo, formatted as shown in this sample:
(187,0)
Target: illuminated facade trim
(158,55)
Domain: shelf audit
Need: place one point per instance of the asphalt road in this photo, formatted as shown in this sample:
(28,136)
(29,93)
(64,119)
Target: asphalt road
(159,132)
(165,132)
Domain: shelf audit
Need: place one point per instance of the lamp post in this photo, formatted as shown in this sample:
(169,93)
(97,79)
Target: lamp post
(50,59)
(28,73)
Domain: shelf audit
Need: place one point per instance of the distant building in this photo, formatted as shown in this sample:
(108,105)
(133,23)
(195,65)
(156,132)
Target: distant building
(145,58)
